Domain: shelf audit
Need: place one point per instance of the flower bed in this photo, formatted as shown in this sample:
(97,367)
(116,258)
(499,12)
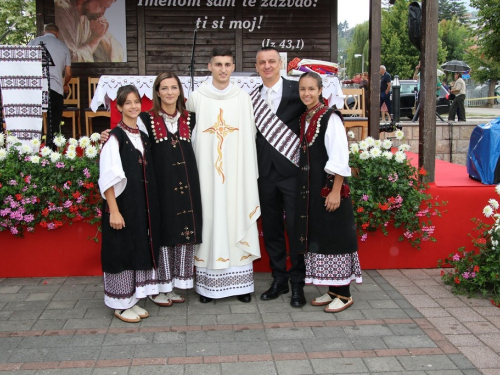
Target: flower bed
(477,271)
(45,188)
(386,191)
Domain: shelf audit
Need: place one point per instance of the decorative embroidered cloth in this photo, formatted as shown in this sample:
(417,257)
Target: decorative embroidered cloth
(108,87)
(21,84)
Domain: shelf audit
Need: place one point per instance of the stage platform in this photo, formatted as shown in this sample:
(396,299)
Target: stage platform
(68,252)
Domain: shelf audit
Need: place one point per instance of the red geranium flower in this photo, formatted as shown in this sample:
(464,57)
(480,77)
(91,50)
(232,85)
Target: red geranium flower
(457,280)
(360,209)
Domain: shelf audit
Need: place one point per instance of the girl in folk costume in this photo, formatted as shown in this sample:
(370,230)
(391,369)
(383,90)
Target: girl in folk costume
(169,126)
(131,219)
(325,218)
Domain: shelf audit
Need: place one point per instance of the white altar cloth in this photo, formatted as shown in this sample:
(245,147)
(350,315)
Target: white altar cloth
(108,86)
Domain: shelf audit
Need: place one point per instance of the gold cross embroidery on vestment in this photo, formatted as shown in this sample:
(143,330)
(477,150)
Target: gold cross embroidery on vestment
(221,129)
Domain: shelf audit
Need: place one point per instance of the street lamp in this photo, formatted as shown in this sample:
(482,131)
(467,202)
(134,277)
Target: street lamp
(396,87)
(362,61)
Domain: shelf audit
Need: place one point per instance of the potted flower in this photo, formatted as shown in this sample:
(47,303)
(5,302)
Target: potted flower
(477,272)
(48,188)
(386,191)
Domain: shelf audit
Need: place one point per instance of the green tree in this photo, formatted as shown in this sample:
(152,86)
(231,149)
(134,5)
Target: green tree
(455,38)
(452,8)
(358,45)
(485,60)
(398,55)
(17,21)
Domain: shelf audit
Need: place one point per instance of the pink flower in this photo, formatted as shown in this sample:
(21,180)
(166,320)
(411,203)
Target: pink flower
(67,204)
(408,234)
(363,237)
(365,197)
(456,257)
(59,165)
(29,218)
(51,226)
(472,274)
(12,182)
(30,229)
(466,275)
(86,173)
(14,230)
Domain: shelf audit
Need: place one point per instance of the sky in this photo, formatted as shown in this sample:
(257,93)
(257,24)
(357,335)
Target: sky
(353,11)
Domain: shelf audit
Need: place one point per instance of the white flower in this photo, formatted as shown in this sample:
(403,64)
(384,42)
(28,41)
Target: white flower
(35,159)
(55,156)
(497,189)
(354,148)
(388,155)
(70,154)
(60,140)
(377,143)
(91,151)
(487,211)
(363,145)
(370,141)
(12,139)
(375,152)
(25,149)
(96,137)
(46,151)
(364,155)
(35,142)
(3,153)
(2,139)
(387,144)
(404,147)
(71,147)
(399,134)
(400,156)
(493,203)
(73,142)
(84,141)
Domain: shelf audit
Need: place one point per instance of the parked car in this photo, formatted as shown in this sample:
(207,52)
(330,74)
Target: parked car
(407,100)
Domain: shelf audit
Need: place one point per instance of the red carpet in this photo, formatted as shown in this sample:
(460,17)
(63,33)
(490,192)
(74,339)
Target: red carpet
(448,174)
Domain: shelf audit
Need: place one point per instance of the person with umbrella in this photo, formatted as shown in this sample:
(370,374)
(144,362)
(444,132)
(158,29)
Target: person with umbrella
(458,89)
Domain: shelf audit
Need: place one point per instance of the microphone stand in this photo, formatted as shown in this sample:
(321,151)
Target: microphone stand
(46,63)
(191,66)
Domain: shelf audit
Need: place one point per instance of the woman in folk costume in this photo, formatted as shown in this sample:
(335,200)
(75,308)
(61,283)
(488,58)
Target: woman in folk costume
(131,219)
(325,218)
(169,126)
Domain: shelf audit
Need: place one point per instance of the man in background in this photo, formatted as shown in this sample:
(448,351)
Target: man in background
(59,74)
(458,89)
(84,29)
(385,89)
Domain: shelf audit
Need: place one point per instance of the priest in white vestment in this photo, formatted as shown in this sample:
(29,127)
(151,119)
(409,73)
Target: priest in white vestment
(226,156)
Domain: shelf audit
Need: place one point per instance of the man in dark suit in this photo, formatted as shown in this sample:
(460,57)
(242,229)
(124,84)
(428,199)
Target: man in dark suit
(277,108)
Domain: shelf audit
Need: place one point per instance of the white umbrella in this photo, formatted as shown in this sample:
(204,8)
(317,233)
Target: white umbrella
(440,73)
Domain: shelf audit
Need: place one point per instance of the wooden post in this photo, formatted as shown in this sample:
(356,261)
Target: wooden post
(141,41)
(334,30)
(374,68)
(427,95)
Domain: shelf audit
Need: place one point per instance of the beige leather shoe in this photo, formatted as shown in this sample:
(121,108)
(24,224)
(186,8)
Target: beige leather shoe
(325,299)
(128,316)
(140,311)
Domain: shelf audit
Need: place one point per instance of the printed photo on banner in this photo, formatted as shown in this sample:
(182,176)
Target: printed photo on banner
(93,30)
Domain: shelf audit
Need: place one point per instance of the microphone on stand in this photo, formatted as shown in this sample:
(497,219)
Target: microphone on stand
(191,66)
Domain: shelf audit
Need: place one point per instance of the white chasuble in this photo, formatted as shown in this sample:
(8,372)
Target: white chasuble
(226,156)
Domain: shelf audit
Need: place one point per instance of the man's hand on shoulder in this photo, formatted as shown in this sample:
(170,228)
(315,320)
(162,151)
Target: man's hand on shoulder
(105,135)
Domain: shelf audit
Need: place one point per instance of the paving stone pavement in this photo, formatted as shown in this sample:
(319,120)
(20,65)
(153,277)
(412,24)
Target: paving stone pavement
(402,322)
